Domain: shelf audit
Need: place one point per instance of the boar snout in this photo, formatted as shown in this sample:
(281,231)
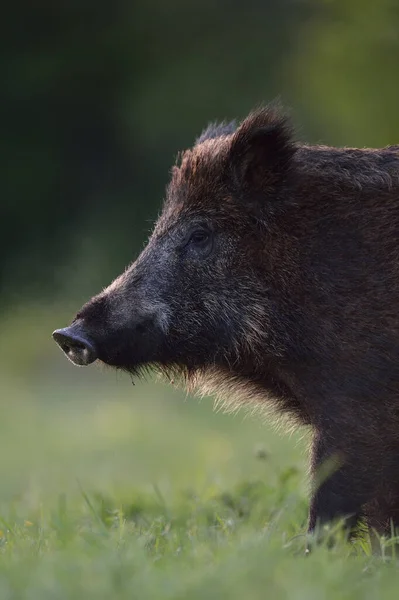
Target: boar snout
(76,345)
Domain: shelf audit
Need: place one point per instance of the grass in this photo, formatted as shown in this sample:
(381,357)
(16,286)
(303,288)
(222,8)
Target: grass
(114,491)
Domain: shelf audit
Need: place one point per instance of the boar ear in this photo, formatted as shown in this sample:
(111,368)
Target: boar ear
(261,151)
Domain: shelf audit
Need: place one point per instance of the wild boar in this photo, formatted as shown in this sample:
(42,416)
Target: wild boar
(272,276)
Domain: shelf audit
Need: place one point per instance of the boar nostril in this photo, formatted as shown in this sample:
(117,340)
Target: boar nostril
(67,347)
(75,344)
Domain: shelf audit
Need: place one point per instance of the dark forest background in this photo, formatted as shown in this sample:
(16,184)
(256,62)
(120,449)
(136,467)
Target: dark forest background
(97,99)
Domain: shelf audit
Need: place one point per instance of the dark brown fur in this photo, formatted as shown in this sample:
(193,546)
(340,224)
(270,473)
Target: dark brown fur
(295,304)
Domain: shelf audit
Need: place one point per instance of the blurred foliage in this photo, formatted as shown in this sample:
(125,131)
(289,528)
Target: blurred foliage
(345,73)
(98,99)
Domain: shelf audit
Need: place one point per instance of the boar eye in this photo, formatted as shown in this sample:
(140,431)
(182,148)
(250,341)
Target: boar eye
(200,237)
(198,240)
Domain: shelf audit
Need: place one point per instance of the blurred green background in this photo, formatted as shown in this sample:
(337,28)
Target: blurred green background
(97,99)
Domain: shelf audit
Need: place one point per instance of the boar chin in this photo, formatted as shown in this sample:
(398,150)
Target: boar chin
(169,370)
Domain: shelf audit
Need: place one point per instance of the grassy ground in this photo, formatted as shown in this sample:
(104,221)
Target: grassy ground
(114,491)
